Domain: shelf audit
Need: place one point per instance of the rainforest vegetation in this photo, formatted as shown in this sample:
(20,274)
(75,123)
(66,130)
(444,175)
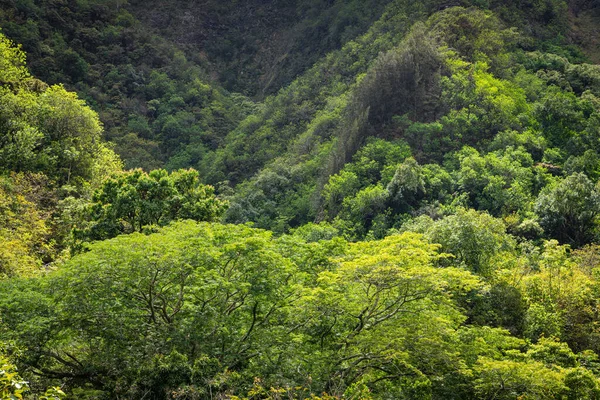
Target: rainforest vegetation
(299,199)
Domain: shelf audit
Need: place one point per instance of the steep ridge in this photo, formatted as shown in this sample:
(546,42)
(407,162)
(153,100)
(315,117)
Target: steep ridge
(114,52)
(150,97)
(325,116)
(258,47)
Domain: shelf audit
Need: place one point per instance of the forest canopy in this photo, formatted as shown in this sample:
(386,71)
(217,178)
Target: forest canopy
(327,200)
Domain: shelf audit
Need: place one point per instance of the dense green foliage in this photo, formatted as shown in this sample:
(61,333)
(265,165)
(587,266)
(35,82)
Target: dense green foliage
(485,118)
(50,146)
(134,201)
(150,97)
(199,308)
(405,200)
(46,129)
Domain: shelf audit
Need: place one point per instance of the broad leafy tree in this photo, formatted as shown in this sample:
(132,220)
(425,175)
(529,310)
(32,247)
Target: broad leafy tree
(134,200)
(568,210)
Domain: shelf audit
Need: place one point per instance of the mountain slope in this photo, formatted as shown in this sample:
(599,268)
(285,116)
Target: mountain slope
(411,189)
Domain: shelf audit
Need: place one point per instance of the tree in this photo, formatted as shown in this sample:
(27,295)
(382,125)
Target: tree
(407,186)
(71,136)
(20,136)
(47,129)
(25,224)
(362,211)
(561,297)
(341,185)
(134,200)
(508,379)
(473,238)
(12,386)
(368,319)
(499,182)
(568,210)
(146,314)
(12,63)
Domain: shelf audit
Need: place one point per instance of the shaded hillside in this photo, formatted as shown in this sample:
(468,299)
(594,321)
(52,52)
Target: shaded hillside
(584,19)
(257,47)
(150,97)
(155,71)
(464,78)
